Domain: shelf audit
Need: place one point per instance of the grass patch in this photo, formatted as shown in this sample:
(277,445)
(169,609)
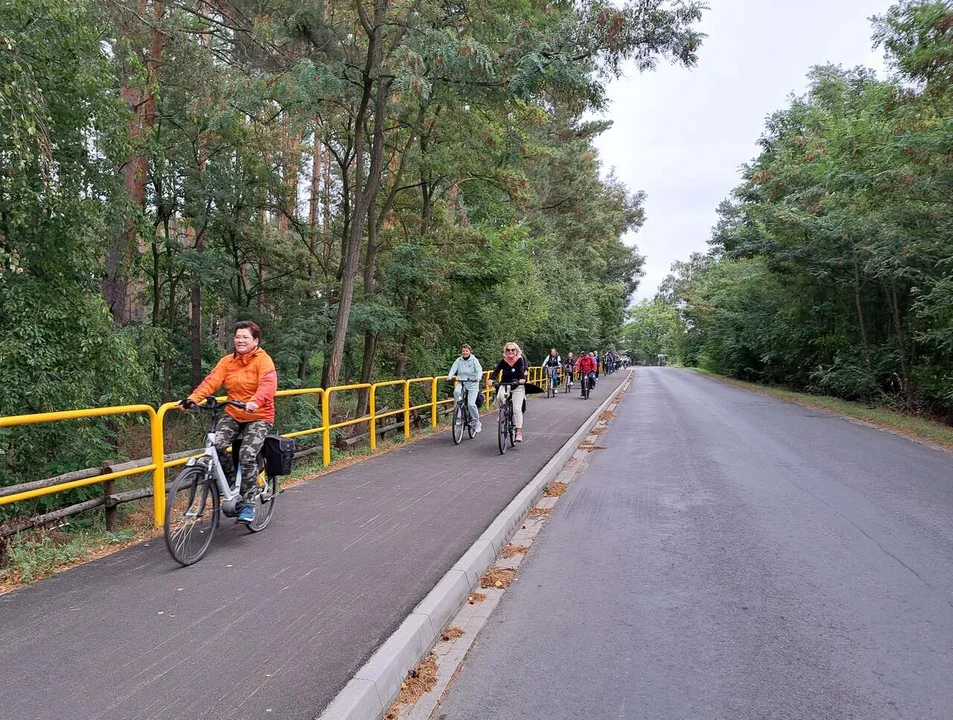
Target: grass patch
(497,577)
(922,430)
(452,633)
(419,682)
(555,489)
(511,551)
(588,445)
(39,554)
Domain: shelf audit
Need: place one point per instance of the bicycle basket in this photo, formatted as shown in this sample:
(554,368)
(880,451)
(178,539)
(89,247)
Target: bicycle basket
(279,454)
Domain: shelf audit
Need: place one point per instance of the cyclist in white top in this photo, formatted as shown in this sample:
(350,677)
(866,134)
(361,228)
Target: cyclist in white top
(469,371)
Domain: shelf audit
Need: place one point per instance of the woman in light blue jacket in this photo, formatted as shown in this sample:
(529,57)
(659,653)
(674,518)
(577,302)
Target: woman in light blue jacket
(469,372)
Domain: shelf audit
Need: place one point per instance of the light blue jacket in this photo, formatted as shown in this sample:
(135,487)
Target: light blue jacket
(467,370)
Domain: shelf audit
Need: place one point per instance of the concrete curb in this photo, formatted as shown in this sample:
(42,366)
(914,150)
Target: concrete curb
(375,686)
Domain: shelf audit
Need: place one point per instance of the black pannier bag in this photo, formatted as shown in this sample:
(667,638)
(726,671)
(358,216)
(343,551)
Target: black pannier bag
(480,397)
(279,454)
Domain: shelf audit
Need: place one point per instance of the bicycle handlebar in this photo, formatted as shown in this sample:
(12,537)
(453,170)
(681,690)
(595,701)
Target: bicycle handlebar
(211,404)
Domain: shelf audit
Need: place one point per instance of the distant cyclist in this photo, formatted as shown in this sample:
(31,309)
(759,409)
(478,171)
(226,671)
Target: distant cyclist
(551,365)
(469,371)
(512,369)
(586,368)
(249,376)
(569,367)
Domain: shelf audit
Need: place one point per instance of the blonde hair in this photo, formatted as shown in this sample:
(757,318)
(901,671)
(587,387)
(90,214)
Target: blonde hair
(519,350)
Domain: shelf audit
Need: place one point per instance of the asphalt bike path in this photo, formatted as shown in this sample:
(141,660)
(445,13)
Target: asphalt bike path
(729,556)
(271,625)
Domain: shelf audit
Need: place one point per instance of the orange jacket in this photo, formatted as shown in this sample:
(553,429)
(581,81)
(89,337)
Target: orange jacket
(251,376)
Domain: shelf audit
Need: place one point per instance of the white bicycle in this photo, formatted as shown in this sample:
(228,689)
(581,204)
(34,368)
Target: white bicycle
(201,493)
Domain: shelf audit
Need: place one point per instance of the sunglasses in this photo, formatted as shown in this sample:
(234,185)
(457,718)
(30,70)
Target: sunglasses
(510,350)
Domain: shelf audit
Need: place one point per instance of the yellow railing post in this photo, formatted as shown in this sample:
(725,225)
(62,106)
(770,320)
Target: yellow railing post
(373,424)
(326,421)
(407,408)
(433,403)
(158,459)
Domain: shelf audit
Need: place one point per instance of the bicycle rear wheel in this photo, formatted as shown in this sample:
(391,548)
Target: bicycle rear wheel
(264,502)
(457,430)
(503,434)
(191,515)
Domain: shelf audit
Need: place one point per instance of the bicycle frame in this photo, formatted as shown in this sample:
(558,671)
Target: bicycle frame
(228,493)
(464,401)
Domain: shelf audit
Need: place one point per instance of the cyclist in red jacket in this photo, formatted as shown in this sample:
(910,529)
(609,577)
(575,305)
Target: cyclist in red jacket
(586,367)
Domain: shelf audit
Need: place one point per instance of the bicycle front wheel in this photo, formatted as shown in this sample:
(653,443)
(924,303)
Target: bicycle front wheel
(191,515)
(503,434)
(264,502)
(457,430)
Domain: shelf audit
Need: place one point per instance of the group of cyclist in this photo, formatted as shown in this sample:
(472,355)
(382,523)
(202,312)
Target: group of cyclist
(249,376)
(513,371)
(586,366)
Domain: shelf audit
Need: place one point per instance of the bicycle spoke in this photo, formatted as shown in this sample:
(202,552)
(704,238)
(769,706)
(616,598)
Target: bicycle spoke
(191,515)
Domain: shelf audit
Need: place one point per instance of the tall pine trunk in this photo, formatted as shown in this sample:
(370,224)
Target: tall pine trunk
(366,183)
(140,101)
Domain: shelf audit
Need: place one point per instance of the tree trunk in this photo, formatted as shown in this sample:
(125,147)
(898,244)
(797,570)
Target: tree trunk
(313,229)
(195,318)
(326,208)
(860,313)
(401,369)
(290,164)
(366,185)
(315,201)
(909,391)
(141,103)
(370,337)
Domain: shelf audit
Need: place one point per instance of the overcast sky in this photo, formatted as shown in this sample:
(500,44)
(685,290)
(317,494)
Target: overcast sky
(681,135)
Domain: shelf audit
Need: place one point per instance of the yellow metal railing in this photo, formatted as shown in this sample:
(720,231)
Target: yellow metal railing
(160,465)
(14,420)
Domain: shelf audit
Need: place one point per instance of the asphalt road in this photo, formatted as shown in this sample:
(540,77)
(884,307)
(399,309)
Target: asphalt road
(729,556)
(270,625)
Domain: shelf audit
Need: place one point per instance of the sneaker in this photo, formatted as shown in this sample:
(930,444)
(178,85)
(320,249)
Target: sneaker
(246,514)
(479,429)
(519,436)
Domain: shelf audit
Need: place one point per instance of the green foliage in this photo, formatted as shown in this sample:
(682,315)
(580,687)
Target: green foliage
(830,265)
(171,154)
(60,350)
(652,328)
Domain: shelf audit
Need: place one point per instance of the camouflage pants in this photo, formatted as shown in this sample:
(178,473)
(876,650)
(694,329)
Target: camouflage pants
(252,435)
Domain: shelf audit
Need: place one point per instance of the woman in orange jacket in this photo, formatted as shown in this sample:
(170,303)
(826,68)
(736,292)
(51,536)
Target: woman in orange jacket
(249,376)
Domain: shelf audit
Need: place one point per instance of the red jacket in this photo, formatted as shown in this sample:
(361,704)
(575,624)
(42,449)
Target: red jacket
(251,376)
(586,365)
